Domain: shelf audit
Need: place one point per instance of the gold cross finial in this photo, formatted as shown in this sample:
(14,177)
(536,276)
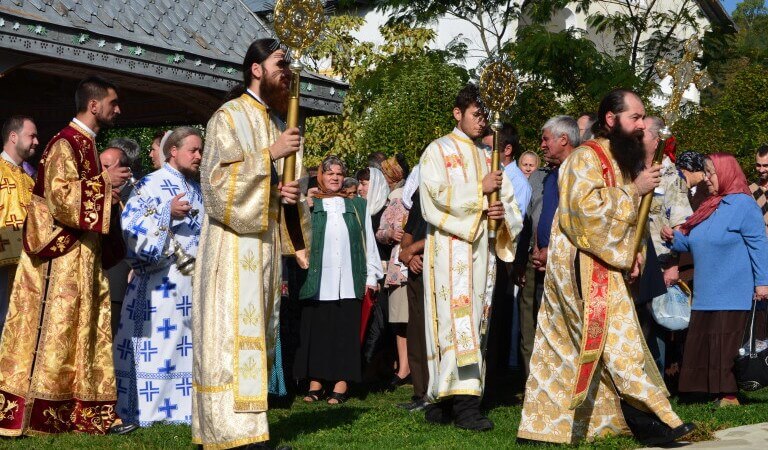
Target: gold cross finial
(683,74)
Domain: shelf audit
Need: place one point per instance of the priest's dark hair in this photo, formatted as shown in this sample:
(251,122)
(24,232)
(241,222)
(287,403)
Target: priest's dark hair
(257,53)
(13,124)
(91,88)
(469,95)
(614,102)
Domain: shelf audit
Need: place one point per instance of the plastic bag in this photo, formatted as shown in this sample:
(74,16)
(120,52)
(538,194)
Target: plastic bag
(673,309)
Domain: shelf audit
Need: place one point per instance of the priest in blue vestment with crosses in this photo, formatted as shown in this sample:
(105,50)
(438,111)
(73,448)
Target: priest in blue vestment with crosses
(153,345)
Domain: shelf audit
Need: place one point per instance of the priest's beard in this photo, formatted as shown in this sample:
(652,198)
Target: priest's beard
(628,150)
(274,93)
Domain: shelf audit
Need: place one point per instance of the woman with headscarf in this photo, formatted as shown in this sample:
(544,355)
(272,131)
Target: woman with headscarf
(343,263)
(726,236)
(389,233)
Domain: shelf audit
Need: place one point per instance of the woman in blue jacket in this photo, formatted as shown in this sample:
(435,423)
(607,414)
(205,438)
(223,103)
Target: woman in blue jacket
(727,239)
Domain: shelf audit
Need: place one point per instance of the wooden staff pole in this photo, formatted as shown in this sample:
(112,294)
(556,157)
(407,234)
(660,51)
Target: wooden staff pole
(493,224)
(645,203)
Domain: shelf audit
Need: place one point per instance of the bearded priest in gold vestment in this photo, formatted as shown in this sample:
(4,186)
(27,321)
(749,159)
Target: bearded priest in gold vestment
(459,264)
(236,298)
(591,373)
(19,137)
(56,371)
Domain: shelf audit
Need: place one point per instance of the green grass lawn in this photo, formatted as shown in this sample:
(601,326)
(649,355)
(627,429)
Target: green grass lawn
(373,422)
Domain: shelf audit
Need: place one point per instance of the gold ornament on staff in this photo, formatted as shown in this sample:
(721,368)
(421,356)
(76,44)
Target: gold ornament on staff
(298,24)
(683,75)
(498,89)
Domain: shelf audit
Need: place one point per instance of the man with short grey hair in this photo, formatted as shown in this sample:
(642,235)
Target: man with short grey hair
(559,137)
(132,150)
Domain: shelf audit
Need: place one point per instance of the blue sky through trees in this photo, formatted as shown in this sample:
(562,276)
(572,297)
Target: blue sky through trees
(730,5)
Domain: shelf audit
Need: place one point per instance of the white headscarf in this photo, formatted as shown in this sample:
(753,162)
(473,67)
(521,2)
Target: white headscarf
(411,184)
(378,191)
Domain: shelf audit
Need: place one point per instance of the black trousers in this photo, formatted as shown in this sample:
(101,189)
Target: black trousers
(416,336)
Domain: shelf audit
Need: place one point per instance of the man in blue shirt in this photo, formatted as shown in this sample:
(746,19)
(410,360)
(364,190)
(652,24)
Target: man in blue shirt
(501,324)
(559,137)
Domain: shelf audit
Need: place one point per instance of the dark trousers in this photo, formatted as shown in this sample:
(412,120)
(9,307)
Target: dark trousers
(416,336)
(499,333)
(529,302)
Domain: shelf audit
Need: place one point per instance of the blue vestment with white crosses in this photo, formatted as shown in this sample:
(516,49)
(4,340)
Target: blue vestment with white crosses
(153,344)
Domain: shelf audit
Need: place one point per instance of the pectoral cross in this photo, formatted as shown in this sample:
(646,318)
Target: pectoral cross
(683,75)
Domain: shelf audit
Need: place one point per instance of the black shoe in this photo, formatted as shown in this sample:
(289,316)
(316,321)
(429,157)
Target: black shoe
(396,382)
(123,428)
(438,413)
(664,435)
(467,415)
(262,446)
(475,422)
(659,433)
(416,405)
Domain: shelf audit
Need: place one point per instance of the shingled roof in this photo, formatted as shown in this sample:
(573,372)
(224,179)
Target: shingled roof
(186,51)
(216,29)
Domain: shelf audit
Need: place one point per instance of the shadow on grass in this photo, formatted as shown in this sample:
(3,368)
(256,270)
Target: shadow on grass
(307,422)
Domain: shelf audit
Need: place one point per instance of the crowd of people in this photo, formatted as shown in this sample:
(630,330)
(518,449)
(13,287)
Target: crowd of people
(128,299)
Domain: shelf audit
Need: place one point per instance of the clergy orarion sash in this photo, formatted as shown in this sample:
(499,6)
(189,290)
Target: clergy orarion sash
(465,338)
(595,302)
(251,354)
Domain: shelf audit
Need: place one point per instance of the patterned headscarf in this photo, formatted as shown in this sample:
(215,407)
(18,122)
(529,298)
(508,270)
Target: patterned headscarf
(323,190)
(730,180)
(392,170)
(690,161)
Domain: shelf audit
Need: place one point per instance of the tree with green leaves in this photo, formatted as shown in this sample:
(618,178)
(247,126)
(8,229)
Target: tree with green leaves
(492,19)
(371,72)
(414,106)
(643,32)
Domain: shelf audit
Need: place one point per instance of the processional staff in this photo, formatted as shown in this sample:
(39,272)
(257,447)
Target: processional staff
(298,23)
(683,75)
(498,89)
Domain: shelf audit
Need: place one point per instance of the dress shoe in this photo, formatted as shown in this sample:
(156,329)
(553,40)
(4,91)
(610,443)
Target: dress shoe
(474,422)
(123,428)
(396,382)
(662,434)
(467,415)
(438,413)
(416,405)
(263,446)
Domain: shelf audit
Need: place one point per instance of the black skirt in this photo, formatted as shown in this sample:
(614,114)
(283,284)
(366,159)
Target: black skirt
(330,341)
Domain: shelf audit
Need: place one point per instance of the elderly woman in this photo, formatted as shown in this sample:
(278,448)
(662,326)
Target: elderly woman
(390,233)
(726,236)
(343,263)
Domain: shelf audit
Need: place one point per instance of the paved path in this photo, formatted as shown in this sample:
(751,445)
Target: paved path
(748,437)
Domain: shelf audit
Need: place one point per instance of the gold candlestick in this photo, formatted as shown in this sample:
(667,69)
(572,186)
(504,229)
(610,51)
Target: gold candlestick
(298,24)
(498,89)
